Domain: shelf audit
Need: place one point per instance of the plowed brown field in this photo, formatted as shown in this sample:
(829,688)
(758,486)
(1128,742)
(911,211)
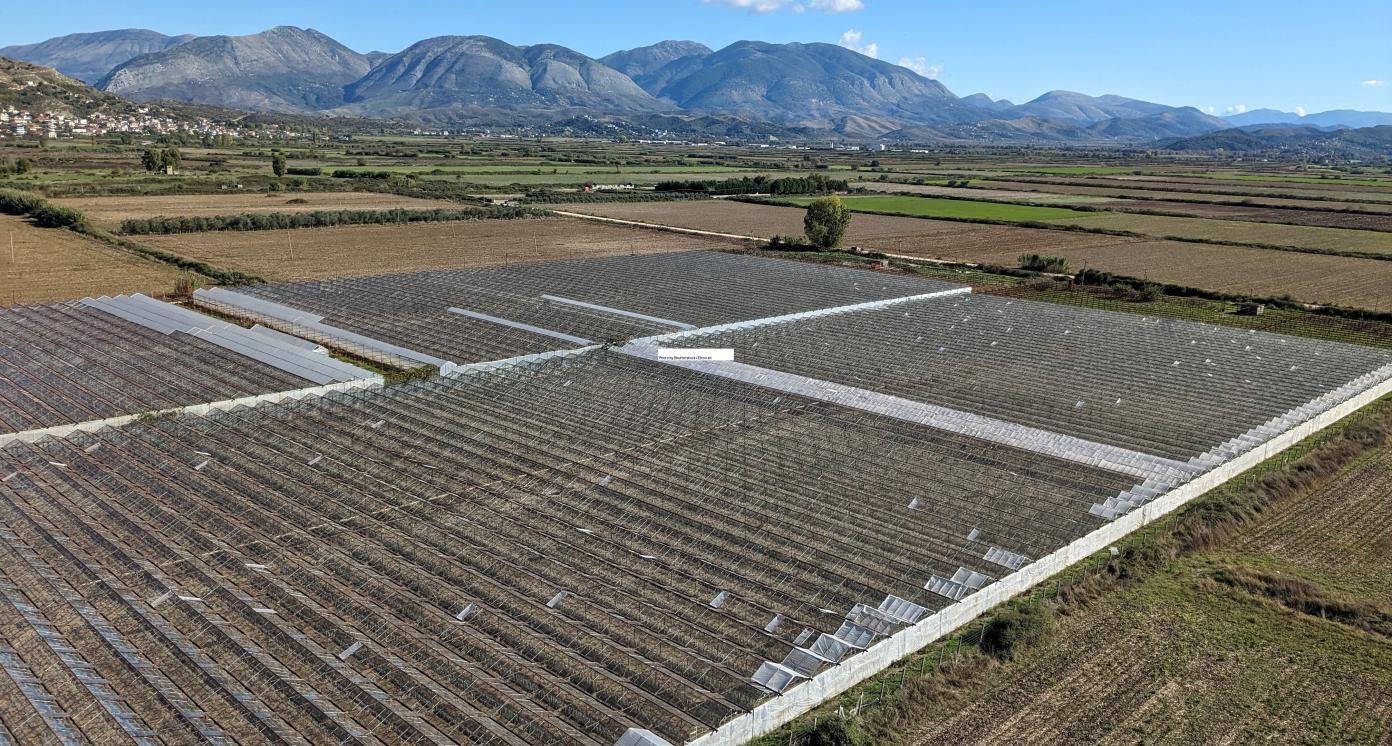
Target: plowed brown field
(55,264)
(357,250)
(110,211)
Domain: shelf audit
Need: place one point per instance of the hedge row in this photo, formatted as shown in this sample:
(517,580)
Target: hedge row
(814,184)
(44,213)
(318,219)
(546,198)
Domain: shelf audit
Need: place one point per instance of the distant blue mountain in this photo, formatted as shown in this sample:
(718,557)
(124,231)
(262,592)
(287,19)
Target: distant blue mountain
(1334,118)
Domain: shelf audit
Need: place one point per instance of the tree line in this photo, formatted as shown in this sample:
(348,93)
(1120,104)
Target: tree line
(264,221)
(813,184)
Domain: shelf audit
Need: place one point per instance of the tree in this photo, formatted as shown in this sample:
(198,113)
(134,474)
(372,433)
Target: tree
(826,222)
(161,159)
(278,164)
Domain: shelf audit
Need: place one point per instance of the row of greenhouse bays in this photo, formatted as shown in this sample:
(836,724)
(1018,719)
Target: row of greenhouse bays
(63,363)
(696,288)
(641,491)
(1158,386)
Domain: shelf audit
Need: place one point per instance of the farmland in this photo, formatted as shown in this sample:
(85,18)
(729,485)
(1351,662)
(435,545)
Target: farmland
(892,234)
(53,264)
(1351,216)
(1233,269)
(929,207)
(438,482)
(110,211)
(375,249)
(1313,278)
(1203,229)
(1157,226)
(1177,193)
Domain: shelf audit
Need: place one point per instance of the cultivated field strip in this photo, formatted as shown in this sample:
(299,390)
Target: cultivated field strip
(64,363)
(696,288)
(1173,389)
(306,583)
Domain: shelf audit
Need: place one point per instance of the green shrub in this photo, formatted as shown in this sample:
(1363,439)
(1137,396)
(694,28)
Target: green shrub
(53,216)
(1042,263)
(836,730)
(1011,630)
(15,202)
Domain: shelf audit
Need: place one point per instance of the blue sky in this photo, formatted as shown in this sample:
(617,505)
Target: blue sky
(1214,54)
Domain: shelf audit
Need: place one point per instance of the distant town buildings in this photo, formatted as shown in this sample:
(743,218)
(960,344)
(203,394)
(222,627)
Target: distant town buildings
(15,123)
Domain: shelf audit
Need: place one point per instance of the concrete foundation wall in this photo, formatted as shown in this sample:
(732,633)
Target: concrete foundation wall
(198,410)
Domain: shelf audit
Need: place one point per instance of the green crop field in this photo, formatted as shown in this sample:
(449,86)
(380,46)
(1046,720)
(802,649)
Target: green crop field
(1074,170)
(930,207)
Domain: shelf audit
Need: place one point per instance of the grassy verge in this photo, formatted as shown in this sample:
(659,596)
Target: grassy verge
(216,274)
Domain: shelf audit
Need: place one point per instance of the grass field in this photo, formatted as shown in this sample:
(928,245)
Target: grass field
(1074,170)
(351,251)
(110,211)
(931,207)
(1256,211)
(935,190)
(55,264)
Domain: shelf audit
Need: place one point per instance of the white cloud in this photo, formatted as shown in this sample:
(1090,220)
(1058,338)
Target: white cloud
(759,7)
(763,7)
(1373,83)
(837,6)
(1235,109)
(1300,111)
(1209,110)
(920,65)
(851,40)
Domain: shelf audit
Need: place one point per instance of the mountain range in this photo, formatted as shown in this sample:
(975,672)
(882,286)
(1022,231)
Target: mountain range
(1334,118)
(1363,143)
(806,90)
